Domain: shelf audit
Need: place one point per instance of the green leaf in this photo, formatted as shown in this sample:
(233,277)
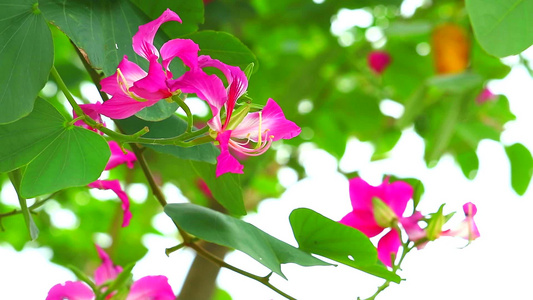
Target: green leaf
(502,27)
(469,163)
(167,128)
(33,231)
(521,167)
(57,155)
(224,230)
(320,235)
(101,29)
(27,55)
(191,13)
(224,47)
(456,83)
(158,112)
(226,189)
(416,184)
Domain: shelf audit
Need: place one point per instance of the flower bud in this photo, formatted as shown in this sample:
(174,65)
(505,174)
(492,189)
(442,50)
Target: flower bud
(383,215)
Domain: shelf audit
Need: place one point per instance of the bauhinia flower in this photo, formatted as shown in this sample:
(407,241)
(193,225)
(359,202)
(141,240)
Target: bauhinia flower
(132,88)
(376,208)
(467,229)
(118,157)
(148,287)
(378,61)
(242,131)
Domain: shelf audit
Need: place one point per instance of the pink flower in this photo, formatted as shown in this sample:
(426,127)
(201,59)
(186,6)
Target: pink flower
(484,96)
(247,133)
(148,287)
(378,61)
(467,229)
(114,185)
(131,87)
(378,208)
(117,158)
(91,110)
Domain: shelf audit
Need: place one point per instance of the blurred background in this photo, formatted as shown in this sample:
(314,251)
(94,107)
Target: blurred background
(385,87)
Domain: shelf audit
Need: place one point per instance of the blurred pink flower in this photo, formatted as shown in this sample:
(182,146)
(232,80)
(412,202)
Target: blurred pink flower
(378,61)
(378,208)
(148,287)
(93,111)
(114,185)
(484,96)
(467,229)
(132,88)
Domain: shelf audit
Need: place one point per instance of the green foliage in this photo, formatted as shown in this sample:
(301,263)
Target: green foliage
(102,30)
(57,154)
(226,189)
(521,167)
(320,235)
(501,26)
(224,47)
(27,57)
(227,231)
(158,112)
(191,12)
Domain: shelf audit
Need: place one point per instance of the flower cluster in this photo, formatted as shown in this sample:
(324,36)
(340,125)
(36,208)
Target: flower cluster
(376,208)
(148,287)
(233,127)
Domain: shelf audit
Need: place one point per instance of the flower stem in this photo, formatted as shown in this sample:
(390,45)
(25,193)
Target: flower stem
(395,268)
(185,107)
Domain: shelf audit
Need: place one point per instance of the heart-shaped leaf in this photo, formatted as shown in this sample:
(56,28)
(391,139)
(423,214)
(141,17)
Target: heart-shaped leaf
(320,235)
(502,27)
(27,54)
(57,155)
(218,228)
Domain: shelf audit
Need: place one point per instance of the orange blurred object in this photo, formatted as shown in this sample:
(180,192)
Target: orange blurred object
(451,49)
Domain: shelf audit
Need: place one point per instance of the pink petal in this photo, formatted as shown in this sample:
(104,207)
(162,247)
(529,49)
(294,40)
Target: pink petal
(270,121)
(107,270)
(484,96)
(237,81)
(114,185)
(361,194)
(470,209)
(91,110)
(71,290)
(185,49)
(225,161)
(151,287)
(413,230)
(207,87)
(118,157)
(396,195)
(130,71)
(143,40)
(154,85)
(363,221)
(388,245)
(121,106)
(378,61)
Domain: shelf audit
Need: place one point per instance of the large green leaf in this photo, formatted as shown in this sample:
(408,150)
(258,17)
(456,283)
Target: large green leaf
(226,189)
(27,55)
(58,155)
(318,234)
(218,228)
(101,29)
(521,167)
(502,27)
(191,13)
(170,127)
(224,47)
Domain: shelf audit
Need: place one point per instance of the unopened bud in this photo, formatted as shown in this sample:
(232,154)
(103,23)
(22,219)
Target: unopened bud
(383,214)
